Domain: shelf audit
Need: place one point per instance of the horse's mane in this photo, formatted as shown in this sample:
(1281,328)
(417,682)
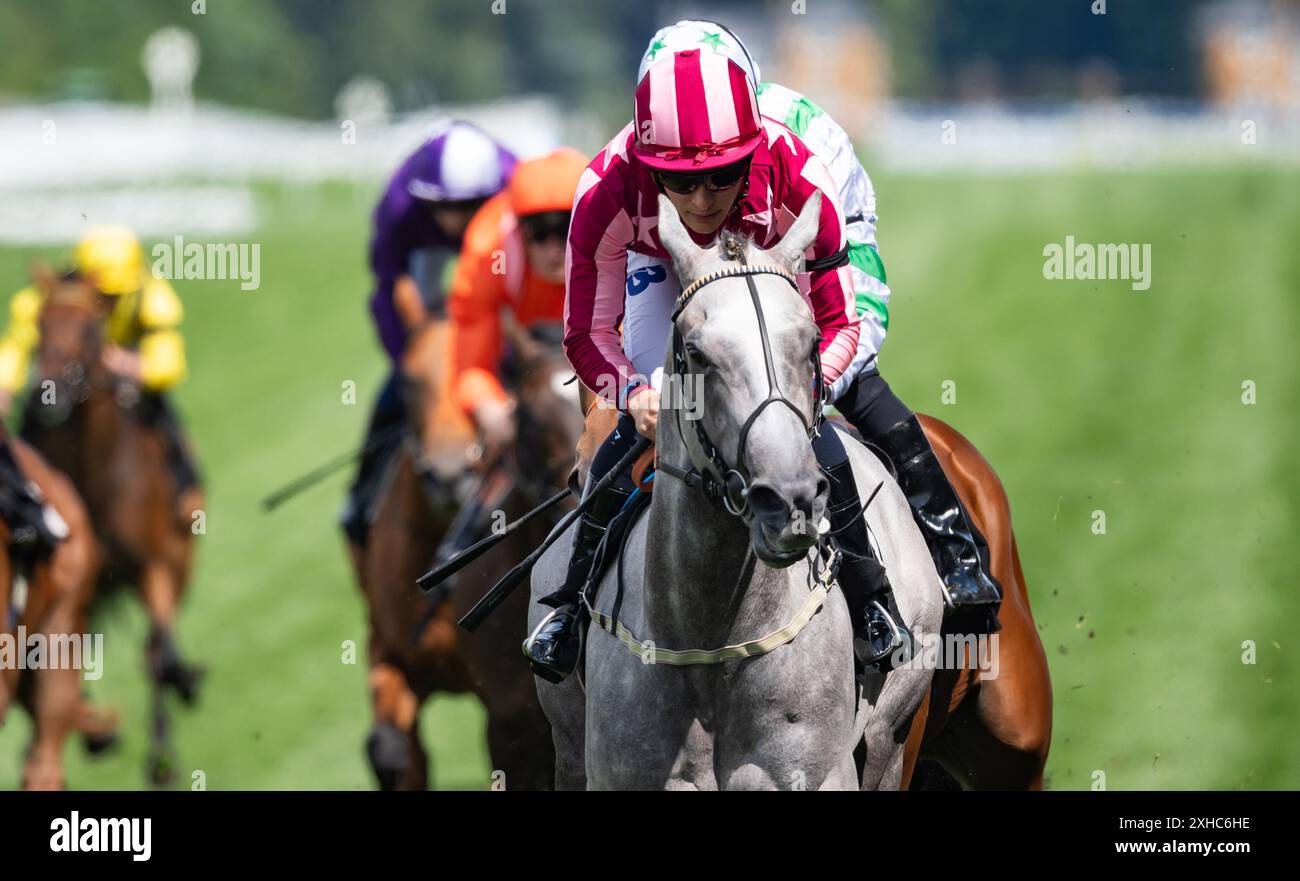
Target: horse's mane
(733,244)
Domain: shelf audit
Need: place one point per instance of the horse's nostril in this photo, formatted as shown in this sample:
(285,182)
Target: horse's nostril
(769,506)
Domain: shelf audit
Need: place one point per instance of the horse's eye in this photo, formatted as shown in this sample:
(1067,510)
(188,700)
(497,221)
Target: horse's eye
(696,357)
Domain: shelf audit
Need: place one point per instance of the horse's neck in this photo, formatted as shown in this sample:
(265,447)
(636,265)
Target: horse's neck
(102,427)
(700,579)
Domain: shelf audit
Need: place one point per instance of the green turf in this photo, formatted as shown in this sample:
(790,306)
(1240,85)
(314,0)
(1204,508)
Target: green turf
(1085,395)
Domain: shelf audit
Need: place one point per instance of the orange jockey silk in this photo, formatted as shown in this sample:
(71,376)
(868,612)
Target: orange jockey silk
(493,275)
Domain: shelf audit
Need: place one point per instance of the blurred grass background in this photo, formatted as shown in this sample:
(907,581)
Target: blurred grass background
(1085,395)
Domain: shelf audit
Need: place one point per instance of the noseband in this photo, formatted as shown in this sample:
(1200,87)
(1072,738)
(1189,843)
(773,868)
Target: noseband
(720,481)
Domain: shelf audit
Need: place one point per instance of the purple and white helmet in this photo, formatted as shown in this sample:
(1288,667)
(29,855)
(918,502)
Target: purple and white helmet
(458,163)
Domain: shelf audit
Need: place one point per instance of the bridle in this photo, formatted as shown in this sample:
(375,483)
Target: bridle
(729,484)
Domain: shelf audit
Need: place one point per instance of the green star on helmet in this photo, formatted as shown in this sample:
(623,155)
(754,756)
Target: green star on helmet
(713,41)
(655,47)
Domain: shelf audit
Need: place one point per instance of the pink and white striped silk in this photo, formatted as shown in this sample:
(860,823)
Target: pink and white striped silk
(616,210)
(695,111)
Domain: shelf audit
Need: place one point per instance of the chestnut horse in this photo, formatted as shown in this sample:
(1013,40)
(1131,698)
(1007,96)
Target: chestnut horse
(51,597)
(971,732)
(416,649)
(80,418)
(974,731)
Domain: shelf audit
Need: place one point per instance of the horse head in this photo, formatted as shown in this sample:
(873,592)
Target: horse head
(743,365)
(69,356)
(441,433)
(549,415)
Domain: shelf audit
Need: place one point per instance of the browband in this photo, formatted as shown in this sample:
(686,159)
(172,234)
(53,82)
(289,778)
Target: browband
(734,270)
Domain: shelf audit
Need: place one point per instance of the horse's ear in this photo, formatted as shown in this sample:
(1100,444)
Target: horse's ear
(43,277)
(672,232)
(790,250)
(678,242)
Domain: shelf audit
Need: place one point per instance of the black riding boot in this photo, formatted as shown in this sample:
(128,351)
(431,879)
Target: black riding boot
(972,593)
(158,411)
(381,444)
(880,636)
(552,648)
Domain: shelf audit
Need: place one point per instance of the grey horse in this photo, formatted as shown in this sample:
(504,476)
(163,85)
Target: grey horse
(696,577)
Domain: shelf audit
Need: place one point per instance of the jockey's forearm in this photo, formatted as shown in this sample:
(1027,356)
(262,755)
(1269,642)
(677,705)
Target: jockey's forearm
(159,364)
(408,302)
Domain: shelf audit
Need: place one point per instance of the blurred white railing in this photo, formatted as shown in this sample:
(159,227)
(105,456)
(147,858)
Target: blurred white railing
(63,166)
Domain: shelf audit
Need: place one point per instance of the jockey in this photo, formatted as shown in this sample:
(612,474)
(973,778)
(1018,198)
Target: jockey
(512,260)
(861,393)
(698,138)
(144,339)
(418,228)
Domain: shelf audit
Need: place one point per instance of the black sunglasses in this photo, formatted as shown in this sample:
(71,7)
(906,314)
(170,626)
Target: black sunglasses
(537,228)
(685,184)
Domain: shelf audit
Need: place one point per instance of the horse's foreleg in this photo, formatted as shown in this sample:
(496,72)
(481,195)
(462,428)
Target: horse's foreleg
(912,748)
(160,586)
(96,724)
(388,746)
(159,591)
(894,730)
(54,706)
(161,761)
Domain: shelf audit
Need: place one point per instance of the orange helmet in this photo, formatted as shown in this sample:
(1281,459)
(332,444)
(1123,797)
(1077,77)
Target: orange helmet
(547,183)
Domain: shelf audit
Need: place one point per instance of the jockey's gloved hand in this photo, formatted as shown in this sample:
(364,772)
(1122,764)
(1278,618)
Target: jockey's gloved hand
(643,407)
(124,362)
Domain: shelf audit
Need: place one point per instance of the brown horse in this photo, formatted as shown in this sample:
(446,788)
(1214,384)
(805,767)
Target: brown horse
(971,732)
(56,596)
(81,419)
(416,650)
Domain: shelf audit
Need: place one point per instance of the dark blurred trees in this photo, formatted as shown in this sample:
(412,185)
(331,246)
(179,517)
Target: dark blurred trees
(292,56)
(1039,47)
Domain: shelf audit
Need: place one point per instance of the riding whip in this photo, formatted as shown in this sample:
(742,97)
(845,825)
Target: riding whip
(516,576)
(311,478)
(431,579)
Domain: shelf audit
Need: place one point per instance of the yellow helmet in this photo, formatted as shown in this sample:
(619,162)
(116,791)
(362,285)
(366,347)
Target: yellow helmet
(111,258)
